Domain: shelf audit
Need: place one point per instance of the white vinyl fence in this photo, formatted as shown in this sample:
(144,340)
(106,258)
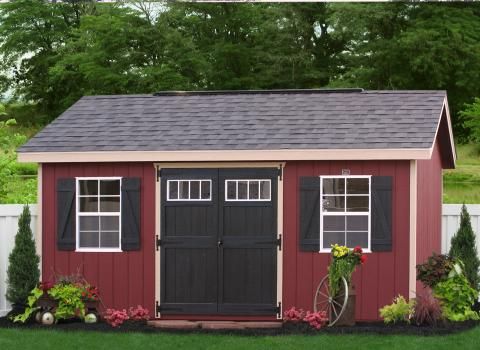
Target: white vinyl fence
(451,222)
(9,214)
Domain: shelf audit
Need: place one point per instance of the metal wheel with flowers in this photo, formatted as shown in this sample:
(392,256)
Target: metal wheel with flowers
(331,295)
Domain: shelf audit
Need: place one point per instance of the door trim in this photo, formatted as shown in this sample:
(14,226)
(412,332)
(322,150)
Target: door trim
(190,165)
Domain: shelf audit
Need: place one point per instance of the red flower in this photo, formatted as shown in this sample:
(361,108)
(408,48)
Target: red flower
(357,249)
(363,258)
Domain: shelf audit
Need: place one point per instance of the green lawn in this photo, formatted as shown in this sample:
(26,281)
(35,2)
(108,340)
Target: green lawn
(51,339)
(462,185)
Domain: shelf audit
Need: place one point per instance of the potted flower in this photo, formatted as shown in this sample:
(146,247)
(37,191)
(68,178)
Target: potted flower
(343,264)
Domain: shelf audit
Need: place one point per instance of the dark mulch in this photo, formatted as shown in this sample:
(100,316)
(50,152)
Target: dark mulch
(287,329)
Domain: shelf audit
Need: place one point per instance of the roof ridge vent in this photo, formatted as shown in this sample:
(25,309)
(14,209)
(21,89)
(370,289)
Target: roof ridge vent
(252,92)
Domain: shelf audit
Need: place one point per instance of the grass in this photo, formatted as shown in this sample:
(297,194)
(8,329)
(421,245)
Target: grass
(51,339)
(462,185)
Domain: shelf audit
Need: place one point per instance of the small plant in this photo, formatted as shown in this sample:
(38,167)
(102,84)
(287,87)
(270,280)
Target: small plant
(35,294)
(317,319)
(344,262)
(115,318)
(399,311)
(23,272)
(428,310)
(293,315)
(139,313)
(464,248)
(69,298)
(457,297)
(435,269)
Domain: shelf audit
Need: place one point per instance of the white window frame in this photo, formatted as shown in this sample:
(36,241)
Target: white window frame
(96,214)
(269,199)
(178,199)
(345,213)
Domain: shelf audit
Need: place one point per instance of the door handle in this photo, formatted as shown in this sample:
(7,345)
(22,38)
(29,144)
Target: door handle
(219,243)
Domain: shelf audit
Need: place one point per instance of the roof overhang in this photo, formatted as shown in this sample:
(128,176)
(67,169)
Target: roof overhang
(444,138)
(226,155)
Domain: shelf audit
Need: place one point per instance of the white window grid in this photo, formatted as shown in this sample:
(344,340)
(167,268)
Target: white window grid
(178,199)
(236,199)
(98,213)
(346,213)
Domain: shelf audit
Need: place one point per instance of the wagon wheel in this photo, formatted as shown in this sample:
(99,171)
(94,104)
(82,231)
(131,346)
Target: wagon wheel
(334,306)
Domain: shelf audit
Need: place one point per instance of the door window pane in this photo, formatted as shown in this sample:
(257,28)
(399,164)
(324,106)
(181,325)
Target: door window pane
(206,189)
(253,190)
(194,189)
(231,190)
(265,189)
(242,190)
(183,190)
(172,189)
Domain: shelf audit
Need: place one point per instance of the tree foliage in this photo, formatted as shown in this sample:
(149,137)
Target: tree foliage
(23,272)
(53,53)
(464,248)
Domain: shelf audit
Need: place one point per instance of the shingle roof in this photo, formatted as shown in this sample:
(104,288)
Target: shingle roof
(248,120)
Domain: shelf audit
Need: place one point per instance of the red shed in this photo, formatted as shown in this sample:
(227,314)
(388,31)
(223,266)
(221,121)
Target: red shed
(207,204)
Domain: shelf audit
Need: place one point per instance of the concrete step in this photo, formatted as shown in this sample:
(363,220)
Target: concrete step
(185,324)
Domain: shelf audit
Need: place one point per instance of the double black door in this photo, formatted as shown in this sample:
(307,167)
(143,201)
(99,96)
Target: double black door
(219,241)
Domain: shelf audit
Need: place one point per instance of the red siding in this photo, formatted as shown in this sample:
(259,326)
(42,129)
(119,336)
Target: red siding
(384,275)
(124,279)
(429,205)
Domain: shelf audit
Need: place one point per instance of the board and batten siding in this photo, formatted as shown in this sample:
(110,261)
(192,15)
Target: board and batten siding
(9,214)
(383,276)
(124,279)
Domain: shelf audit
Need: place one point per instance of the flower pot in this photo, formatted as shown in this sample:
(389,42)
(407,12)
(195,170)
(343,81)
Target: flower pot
(348,315)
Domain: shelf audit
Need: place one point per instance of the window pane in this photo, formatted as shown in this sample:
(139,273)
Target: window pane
(357,223)
(110,187)
(231,189)
(334,223)
(264,189)
(109,240)
(88,204)
(206,189)
(172,189)
(253,187)
(330,238)
(88,187)
(110,204)
(88,240)
(88,223)
(194,189)
(183,190)
(109,223)
(357,203)
(357,238)
(242,189)
(333,186)
(357,186)
(334,203)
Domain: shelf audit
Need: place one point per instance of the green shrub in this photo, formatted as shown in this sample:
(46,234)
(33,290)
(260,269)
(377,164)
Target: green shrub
(464,248)
(457,297)
(399,311)
(435,269)
(23,272)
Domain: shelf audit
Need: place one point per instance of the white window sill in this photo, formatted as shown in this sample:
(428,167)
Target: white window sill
(98,250)
(329,251)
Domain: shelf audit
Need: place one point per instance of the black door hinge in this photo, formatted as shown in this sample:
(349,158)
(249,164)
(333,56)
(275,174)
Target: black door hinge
(159,174)
(279,242)
(157,308)
(158,242)
(280,172)
(278,309)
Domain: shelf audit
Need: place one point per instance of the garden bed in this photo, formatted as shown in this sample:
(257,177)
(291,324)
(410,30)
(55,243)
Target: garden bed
(287,329)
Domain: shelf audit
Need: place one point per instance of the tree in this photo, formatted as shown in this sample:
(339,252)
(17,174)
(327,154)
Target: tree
(470,116)
(463,247)
(23,272)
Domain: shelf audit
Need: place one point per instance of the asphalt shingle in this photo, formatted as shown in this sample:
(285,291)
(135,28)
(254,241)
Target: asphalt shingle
(267,120)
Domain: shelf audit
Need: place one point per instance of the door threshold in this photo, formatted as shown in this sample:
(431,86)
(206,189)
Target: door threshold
(186,324)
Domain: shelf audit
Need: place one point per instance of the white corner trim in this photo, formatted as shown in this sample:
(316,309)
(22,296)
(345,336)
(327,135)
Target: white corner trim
(157,250)
(38,234)
(225,155)
(412,272)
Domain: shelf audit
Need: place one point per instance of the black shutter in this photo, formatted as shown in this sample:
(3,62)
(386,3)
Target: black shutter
(310,214)
(130,213)
(66,214)
(381,213)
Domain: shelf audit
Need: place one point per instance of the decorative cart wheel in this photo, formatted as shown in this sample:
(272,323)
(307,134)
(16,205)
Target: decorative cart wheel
(47,318)
(333,305)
